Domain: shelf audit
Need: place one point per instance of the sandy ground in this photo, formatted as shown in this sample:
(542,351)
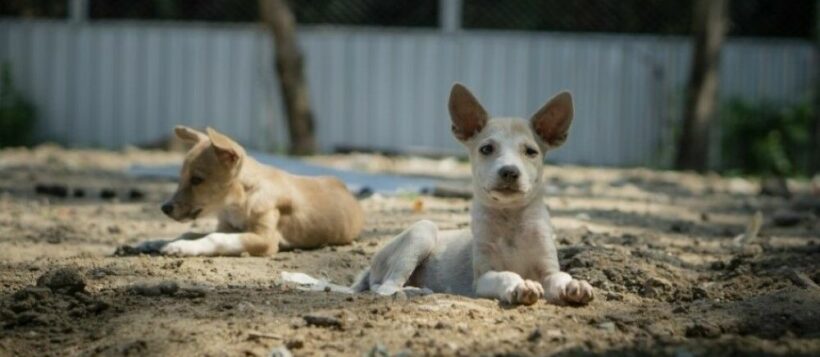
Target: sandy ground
(657,246)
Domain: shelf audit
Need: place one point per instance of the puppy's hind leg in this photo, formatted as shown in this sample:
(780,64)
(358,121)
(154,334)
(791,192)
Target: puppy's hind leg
(395,263)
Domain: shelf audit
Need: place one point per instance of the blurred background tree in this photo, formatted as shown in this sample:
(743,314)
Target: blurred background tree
(17,114)
(709,27)
(289,65)
(815,161)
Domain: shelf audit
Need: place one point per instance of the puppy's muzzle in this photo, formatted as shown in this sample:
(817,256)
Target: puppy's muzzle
(507,183)
(179,213)
(167,208)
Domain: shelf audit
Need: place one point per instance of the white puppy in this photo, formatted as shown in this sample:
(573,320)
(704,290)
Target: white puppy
(509,251)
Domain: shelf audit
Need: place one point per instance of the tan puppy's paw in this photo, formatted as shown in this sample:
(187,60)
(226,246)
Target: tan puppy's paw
(185,248)
(528,292)
(578,292)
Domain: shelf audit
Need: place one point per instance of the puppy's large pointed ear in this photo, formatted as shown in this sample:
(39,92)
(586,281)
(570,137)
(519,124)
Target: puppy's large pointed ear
(466,113)
(553,120)
(228,151)
(188,135)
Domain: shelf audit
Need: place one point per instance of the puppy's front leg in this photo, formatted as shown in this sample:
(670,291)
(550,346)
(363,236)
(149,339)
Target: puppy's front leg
(215,244)
(210,245)
(508,287)
(261,239)
(561,287)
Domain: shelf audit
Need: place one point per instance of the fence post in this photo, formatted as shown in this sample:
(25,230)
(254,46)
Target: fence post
(449,15)
(77,10)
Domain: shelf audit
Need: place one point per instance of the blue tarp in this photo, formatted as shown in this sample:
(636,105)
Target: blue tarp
(356,181)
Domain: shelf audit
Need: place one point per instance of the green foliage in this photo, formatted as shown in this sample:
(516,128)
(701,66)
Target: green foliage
(17,115)
(766,139)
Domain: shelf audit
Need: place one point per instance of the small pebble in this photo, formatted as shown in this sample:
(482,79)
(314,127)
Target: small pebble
(280,351)
(607,326)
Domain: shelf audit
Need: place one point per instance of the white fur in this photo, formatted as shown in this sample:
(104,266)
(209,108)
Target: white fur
(509,252)
(210,245)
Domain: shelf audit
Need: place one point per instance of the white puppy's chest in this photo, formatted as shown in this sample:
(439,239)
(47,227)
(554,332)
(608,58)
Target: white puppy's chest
(523,251)
(522,245)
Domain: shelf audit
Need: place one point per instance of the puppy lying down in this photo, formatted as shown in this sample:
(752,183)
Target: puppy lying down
(509,252)
(260,209)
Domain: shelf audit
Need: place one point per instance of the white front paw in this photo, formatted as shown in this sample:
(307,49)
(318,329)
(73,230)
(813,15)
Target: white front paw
(578,292)
(185,248)
(527,293)
(385,289)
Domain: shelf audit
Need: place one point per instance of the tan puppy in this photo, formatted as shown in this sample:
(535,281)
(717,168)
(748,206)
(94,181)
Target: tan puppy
(509,251)
(260,209)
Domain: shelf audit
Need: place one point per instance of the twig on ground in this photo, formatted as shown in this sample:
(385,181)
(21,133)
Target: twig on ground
(752,230)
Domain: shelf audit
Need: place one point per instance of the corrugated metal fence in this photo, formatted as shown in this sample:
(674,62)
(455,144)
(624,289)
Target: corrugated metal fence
(115,83)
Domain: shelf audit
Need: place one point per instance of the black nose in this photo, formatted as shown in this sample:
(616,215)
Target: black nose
(509,173)
(167,208)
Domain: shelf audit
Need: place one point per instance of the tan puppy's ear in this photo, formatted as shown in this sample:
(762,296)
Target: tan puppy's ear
(188,135)
(553,120)
(466,113)
(227,151)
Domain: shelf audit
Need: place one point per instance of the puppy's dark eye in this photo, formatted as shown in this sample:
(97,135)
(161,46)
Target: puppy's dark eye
(529,151)
(486,149)
(196,180)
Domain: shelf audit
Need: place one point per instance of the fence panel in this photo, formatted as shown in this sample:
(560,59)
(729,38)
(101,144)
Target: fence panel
(115,83)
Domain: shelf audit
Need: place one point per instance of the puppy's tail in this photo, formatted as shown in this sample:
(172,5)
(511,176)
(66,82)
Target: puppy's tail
(362,283)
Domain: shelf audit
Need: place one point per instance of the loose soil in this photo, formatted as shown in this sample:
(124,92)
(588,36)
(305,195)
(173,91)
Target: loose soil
(659,248)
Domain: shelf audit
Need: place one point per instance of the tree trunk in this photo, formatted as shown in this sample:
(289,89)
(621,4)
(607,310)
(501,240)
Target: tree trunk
(290,67)
(815,158)
(815,137)
(710,25)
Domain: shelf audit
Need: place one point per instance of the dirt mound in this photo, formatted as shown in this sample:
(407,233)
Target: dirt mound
(62,281)
(58,300)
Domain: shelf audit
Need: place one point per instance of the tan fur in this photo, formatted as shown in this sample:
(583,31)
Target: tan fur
(269,207)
